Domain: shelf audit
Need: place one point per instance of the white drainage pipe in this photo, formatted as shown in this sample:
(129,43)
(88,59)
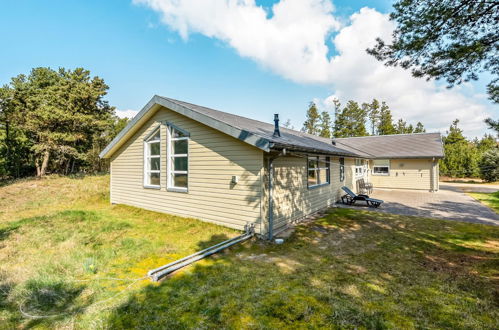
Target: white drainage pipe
(160,272)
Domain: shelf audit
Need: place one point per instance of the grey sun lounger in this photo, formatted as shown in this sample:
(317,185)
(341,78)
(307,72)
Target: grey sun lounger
(350,198)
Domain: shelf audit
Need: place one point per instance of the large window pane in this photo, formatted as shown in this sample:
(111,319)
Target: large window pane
(154,179)
(312,177)
(154,149)
(155,164)
(312,162)
(180,147)
(180,180)
(323,176)
(180,164)
(381,170)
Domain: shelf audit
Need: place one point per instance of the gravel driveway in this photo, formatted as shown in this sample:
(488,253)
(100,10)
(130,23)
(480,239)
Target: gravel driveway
(450,203)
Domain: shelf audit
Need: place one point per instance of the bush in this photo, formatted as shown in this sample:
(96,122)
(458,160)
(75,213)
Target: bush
(489,165)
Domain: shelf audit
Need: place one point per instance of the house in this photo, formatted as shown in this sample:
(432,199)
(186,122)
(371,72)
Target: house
(184,159)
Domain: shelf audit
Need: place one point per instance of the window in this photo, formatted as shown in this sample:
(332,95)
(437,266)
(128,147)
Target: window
(178,159)
(319,171)
(152,159)
(381,167)
(359,168)
(342,169)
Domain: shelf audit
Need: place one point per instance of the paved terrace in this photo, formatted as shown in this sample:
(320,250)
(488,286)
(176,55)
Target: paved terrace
(450,203)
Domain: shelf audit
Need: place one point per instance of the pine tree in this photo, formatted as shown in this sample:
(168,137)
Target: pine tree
(493,124)
(338,118)
(385,125)
(311,125)
(461,157)
(325,125)
(60,113)
(401,127)
(419,128)
(454,40)
(373,112)
(351,121)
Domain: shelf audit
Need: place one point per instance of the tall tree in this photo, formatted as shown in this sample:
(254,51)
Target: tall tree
(403,128)
(60,112)
(451,39)
(325,125)
(419,128)
(373,111)
(351,121)
(385,124)
(311,125)
(461,156)
(338,119)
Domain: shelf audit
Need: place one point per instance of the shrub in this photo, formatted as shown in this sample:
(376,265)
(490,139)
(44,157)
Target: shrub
(489,165)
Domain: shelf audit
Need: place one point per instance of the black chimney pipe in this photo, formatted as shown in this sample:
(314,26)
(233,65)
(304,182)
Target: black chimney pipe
(277,133)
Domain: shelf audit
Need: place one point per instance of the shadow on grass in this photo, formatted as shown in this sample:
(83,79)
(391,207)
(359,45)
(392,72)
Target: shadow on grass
(349,269)
(41,302)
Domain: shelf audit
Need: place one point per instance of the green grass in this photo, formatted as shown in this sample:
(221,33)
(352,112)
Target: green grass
(349,269)
(489,199)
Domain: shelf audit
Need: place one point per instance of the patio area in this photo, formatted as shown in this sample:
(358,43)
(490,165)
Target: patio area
(450,203)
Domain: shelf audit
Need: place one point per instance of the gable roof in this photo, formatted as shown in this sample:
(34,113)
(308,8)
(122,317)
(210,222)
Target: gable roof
(417,145)
(260,135)
(254,132)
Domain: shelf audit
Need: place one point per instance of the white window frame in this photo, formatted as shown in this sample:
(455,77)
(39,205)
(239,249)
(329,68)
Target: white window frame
(359,169)
(383,166)
(318,169)
(342,169)
(171,158)
(148,157)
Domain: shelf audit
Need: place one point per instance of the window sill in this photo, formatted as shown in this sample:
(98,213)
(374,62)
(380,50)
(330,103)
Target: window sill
(180,190)
(318,185)
(152,187)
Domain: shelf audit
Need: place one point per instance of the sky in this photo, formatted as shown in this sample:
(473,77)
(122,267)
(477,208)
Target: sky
(247,57)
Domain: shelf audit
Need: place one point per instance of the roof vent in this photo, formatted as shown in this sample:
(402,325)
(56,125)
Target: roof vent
(277,133)
(333,142)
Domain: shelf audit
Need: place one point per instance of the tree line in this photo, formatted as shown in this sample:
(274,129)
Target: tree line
(55,121)
(354,119)
(463,157)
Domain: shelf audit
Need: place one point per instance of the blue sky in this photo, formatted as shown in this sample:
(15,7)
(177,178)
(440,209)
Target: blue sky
(138,54)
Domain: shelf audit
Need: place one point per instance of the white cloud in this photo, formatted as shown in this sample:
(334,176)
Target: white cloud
(292,42)
(126,113)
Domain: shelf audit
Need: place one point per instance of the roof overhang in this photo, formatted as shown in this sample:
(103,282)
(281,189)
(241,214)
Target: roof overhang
(157,102)
(280,146)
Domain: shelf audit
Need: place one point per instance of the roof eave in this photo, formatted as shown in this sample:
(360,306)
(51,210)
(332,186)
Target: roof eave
(280,146)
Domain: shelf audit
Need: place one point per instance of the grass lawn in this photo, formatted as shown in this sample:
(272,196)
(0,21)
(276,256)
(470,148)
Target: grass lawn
(60,240)
(489,199)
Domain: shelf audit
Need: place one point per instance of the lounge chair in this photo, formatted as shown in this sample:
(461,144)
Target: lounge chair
(365,186)
(350,198)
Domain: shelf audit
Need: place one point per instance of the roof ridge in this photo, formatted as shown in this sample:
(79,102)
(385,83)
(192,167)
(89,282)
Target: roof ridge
(243,117)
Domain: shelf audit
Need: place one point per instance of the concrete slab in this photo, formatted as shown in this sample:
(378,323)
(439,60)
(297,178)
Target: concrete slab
(450,203)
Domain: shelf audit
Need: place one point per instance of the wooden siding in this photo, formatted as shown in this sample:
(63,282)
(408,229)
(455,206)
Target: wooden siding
(214,158)
(292,198)
(407,174)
